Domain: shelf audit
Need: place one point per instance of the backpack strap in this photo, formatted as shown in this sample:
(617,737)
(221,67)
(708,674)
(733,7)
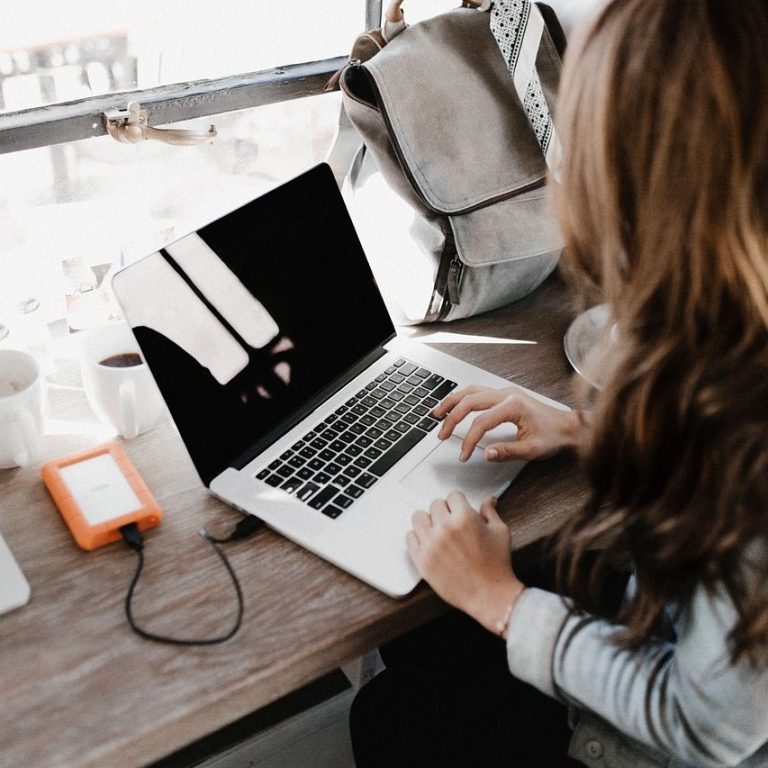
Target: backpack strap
(518,26)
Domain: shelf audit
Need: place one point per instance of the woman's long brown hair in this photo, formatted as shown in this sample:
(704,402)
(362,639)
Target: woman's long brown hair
(664,206)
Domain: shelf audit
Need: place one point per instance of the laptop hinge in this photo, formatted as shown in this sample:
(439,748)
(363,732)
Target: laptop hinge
(299,415)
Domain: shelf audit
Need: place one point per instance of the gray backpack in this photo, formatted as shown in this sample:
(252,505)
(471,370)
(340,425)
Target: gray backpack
(465,197)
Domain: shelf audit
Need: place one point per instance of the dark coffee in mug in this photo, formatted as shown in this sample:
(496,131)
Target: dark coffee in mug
(123,360)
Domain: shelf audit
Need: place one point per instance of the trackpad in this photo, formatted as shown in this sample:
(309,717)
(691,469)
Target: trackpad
(441,472)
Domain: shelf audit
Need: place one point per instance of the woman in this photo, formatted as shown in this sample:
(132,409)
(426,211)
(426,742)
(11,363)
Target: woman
(664,205)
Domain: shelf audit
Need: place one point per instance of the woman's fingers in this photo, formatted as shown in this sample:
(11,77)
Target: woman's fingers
(508,410)
(455,410)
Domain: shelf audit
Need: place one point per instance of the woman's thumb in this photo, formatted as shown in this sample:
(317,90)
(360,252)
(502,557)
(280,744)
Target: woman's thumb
(488,510)
(505,451)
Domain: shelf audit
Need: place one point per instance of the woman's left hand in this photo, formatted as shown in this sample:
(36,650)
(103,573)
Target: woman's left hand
(465,557)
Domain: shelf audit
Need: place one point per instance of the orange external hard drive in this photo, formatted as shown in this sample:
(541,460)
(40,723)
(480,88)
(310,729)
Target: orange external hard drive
(98,492)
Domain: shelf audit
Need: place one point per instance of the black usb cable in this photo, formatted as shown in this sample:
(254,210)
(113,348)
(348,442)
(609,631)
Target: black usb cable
(133,538)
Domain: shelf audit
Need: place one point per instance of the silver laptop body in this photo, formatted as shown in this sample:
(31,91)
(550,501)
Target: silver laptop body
(295,398)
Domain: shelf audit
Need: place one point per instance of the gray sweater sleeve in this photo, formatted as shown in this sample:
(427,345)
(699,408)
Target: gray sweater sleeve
(685,699)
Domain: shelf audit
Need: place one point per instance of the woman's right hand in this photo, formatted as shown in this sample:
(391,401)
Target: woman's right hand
(542,430)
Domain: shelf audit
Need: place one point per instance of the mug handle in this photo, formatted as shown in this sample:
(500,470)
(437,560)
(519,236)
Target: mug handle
(129,426)
(24,439)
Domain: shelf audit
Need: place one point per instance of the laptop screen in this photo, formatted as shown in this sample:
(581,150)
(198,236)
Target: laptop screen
(245,322)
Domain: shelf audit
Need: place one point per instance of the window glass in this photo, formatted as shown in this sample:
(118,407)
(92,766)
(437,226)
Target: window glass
(88,48)
(76,212)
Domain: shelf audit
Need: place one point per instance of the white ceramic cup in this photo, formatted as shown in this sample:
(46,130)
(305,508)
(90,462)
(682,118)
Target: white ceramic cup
(21,408)
(125,397)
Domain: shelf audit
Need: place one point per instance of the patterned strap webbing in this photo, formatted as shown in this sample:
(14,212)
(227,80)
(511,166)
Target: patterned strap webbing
(518,26)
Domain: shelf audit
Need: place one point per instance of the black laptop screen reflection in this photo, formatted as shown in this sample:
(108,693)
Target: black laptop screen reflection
(245,321)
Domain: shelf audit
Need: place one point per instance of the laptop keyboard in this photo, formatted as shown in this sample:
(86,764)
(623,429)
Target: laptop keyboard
(337,461)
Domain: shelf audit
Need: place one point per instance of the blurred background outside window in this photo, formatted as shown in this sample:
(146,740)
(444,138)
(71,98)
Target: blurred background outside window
(72,213)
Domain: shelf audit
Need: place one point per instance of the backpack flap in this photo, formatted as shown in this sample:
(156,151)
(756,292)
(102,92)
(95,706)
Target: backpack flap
(461,137)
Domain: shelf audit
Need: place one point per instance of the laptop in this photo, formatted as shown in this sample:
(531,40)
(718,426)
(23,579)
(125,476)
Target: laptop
(295,397)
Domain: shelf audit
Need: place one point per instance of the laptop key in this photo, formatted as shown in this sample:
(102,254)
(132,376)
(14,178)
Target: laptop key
(343,501)
(263,475)
(354,450)
(362,462)
(408,368)
(422,373)
(305,473)
(352,471)
(332,511)
(359,410)
(298,446)
(347,437)
(387,403)
(377,412)
(387,386)
(329,434)
(366,480)
(275,464)
(326,454)
(322,478)
(349,418)
(402,427)
(396,452)
(396,396)
(412,400)
(292,484)
(352,401)
(307,491)
(385,424)
(382,444)
(430,402)
(285,456)
(367,420)
(392,435)
(373,453)
(397,378)
(433,381)
(427,424)
(342,481)
(319,500)
(333,468)
(354,492)
(378,393)
(307,452)
(316,464)
(398,362)
(358,429)
(374,432)
(421,410)
(311,435)
(390,370)
(343,459)
(364,441)
(337,446)
(318,443)
(274,480)
(444,389)
(411,418)
(420,392)
(285,471)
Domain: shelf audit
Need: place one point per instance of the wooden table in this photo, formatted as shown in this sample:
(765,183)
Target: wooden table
(78,688)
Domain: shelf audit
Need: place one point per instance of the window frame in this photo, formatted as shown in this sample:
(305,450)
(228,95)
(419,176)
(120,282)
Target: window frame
(83,118)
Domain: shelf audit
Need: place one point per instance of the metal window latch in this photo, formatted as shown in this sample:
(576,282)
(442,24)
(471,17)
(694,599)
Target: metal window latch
(129,126)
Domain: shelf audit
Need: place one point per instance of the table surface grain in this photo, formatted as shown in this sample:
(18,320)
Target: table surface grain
(78,688)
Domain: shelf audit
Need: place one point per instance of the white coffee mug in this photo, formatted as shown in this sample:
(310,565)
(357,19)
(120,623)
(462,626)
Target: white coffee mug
(119,387)
(21,408)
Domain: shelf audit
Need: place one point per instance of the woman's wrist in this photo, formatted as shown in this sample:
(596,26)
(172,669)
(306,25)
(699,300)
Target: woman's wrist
(574,427)
(495,606)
